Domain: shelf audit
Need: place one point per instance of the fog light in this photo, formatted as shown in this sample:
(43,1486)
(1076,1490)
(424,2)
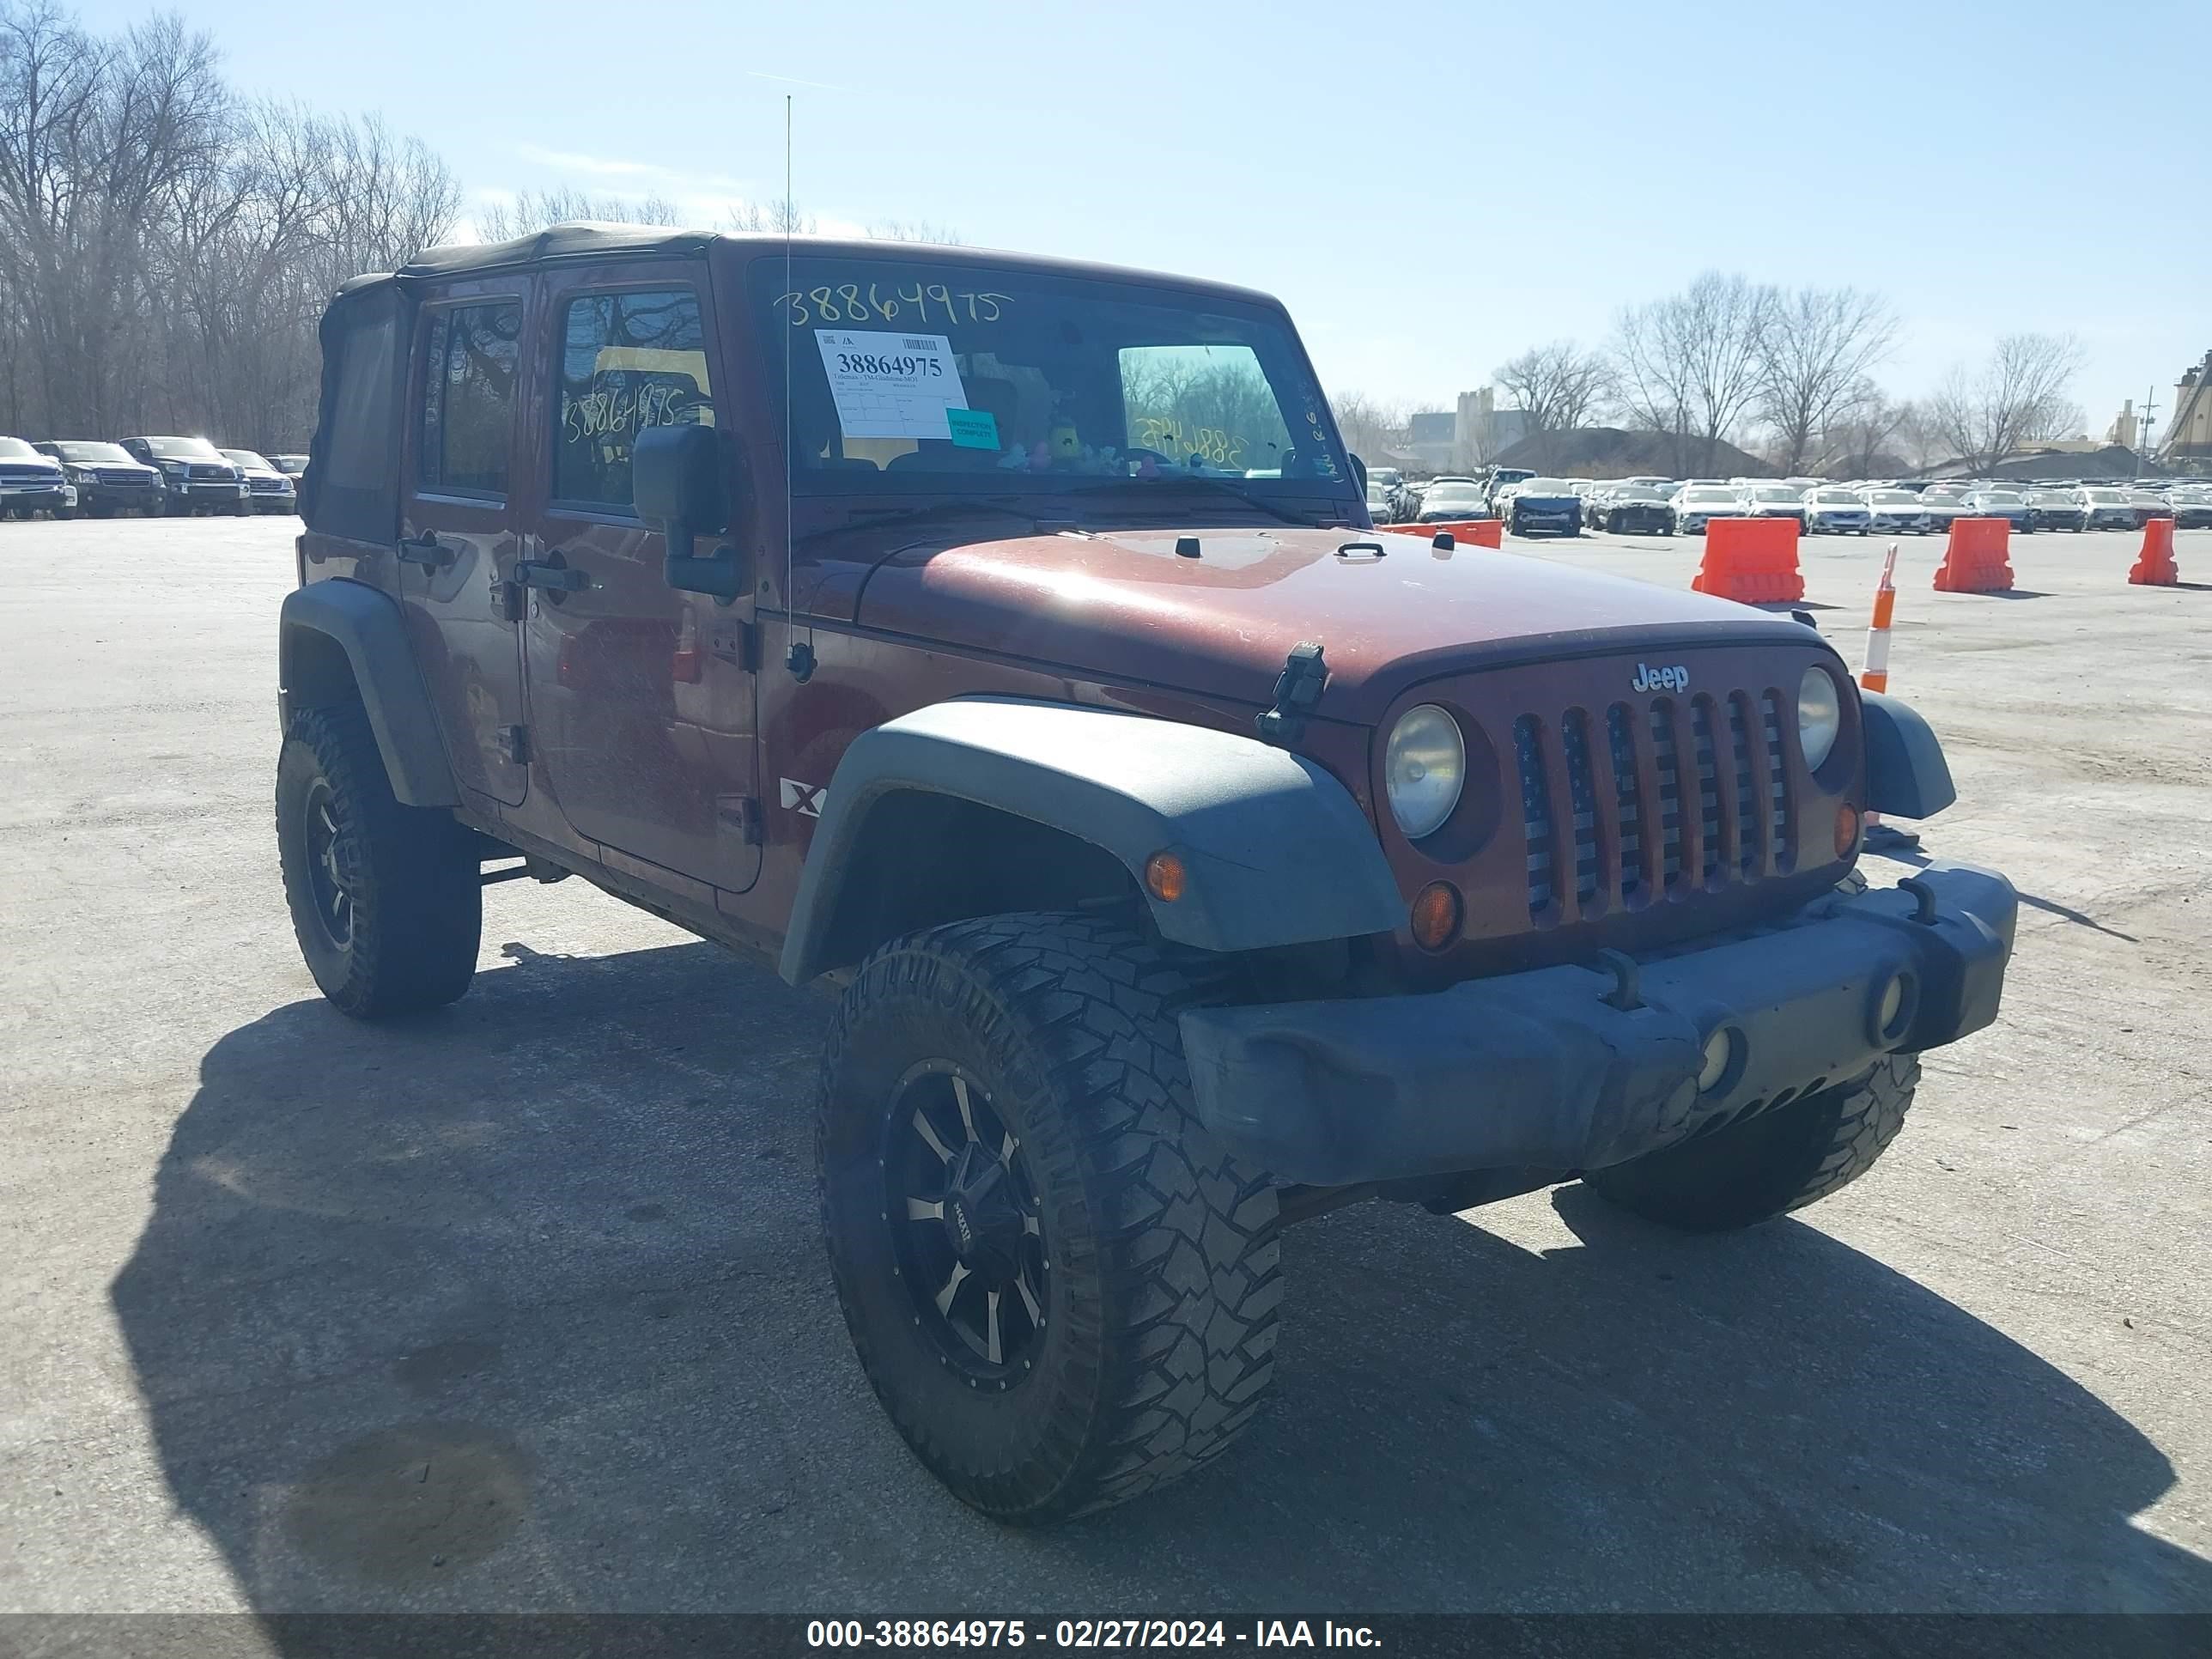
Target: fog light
(1720,1052)
(1436,915)
(1893,1013)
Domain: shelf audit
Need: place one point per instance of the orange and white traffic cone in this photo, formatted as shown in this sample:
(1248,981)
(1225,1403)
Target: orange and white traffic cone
(1875,677)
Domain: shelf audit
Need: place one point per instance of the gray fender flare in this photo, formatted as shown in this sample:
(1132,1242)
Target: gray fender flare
(1278,851)
(1906,773)
(365,623)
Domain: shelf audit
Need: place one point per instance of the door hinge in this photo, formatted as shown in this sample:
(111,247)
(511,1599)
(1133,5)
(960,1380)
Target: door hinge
(738,642)
(514,744)
(740,813)
(1297,689)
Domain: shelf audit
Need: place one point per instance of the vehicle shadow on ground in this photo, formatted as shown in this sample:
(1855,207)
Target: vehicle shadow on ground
(522,1305)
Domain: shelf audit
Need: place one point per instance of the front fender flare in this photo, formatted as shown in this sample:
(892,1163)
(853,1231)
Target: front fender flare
(1278,851)
(1907,776)
(365,623)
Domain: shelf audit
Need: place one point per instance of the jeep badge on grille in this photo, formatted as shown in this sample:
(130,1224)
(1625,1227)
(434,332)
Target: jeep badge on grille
(1649,678)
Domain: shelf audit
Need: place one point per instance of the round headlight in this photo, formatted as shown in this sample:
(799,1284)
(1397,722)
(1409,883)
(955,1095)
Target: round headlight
(1819,716)
(1424,769)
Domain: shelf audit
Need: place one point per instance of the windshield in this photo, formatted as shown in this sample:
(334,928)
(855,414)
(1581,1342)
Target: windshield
(1636,493)
(247,458)
(953,376)
(1837,497)
(1999,497)
(1544,487)
(1708,495)
(16,450)
(1775,493)
(182,449)
(1441,493)
(89,453)
(1891,497)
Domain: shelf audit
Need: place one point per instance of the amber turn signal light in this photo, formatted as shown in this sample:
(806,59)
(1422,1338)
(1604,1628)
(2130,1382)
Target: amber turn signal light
(1435,915)
(1847,829)
(1165,875)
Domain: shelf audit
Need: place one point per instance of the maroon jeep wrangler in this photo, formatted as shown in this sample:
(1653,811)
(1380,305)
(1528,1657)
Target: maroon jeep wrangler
(1007,639)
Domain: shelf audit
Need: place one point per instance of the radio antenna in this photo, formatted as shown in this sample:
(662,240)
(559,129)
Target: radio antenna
(799,656)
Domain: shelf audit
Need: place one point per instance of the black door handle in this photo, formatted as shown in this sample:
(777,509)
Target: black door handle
(429,552)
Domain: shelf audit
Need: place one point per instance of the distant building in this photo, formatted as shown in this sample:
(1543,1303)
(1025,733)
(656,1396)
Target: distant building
(1431,436)
(2125,423)
(2189,435)
(1481,431)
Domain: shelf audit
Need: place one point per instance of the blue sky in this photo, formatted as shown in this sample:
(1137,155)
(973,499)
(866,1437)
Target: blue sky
(1429,188)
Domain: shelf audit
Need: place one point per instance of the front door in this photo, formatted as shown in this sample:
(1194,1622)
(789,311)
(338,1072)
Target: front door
(642,702)
(458,529)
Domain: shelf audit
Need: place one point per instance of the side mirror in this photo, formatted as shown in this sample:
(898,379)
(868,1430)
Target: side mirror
(676,483)
(1358,471)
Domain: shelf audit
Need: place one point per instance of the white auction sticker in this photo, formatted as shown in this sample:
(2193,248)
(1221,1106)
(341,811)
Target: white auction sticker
(891,385)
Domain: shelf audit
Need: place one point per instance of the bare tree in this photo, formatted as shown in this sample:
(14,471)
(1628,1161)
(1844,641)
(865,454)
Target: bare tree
(1861,440)
(534,210)
(1560,385)
(165,251)
(916,230)
(1690,365)
(1370,425)
(2018,396)
(784,217)
(1816,348)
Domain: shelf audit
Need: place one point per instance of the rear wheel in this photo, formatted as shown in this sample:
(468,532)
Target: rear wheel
(385,899)
(1063,1292)
(1779,1161)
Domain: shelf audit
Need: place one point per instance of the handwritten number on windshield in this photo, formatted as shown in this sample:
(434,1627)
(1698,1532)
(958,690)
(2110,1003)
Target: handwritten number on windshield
(929,303)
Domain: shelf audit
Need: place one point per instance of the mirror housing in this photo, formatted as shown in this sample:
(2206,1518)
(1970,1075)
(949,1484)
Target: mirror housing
(676,485)
(1359,472)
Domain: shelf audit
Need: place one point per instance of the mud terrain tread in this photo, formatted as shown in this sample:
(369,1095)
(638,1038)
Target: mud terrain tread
(1771,1165)
(418,912)
(1187,1269)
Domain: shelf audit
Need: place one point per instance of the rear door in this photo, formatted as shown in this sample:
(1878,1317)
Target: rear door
(458,535)
(642,699)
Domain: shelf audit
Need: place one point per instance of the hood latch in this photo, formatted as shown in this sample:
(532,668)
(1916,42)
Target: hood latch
(1297,689)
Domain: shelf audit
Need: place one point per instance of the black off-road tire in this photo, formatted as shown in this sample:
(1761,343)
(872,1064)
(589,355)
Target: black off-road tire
(1769,1165)
(1160,1252)
(414,915)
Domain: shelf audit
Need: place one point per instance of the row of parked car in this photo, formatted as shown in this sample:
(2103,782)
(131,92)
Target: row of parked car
(67,477)
(1530,504)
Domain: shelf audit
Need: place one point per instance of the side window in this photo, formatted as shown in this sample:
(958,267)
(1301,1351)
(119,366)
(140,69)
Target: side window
(468,399)
(628,360)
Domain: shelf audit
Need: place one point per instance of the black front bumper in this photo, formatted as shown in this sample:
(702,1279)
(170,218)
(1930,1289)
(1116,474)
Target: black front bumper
(1543,1071)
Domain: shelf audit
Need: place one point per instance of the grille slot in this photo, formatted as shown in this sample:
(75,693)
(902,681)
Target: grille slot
(1581,792)
(1669,763)
(1620,738)
(1535,812)
(1604,825)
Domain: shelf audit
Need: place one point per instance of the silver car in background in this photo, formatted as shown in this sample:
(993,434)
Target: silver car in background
(1898,513)
(1830,511)
(1697,505)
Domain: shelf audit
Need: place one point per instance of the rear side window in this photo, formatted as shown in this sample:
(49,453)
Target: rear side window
(468,399)
(630,361)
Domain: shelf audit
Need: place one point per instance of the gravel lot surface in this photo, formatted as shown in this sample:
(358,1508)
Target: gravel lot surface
(523,1305)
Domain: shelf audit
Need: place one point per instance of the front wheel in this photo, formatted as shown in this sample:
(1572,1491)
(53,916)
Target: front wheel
(1781,1160)
(1063,1292)
(385,899)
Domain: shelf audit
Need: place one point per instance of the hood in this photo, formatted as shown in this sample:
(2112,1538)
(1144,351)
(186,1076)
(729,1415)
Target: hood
(1126,609)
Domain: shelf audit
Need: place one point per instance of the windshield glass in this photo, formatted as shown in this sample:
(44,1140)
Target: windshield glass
(955,375)
(1775,493)
(1999,498)
(88,453)
(247,458)
(1708,495)
(1636,493)
(182,449)
(1891,497)
(16,449)
(1439,494)
(1836,497)
(1543,487)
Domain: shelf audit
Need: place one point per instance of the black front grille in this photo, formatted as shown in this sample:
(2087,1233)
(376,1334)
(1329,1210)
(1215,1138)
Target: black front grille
(124,478)
(1619,807)
(29,475)
(265,486)
(217,473)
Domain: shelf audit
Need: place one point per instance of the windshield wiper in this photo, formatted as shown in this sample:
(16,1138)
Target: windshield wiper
(867,518)
(1220,486)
